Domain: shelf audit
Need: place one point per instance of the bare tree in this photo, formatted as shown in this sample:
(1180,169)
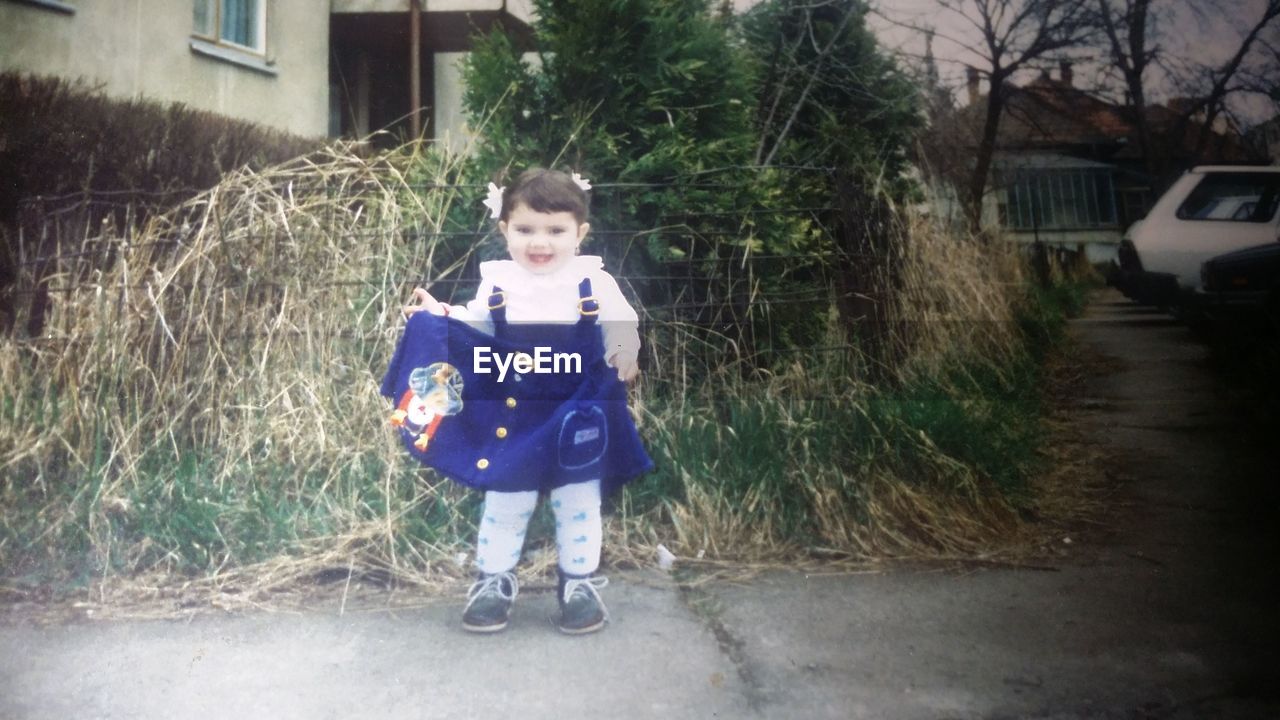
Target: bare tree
(1129,32)
(1014,34)
(820,80)
(787,64)
(1006,36)
(1262,77)
(1222,80)
(1125,25)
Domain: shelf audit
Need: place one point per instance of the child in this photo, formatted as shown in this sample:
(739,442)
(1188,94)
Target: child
(531,424)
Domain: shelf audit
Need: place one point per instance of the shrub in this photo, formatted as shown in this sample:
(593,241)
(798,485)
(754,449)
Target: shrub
(114,160)
(59,137)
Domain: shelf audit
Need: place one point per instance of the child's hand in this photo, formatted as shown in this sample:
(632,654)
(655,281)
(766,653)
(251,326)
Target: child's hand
(628,368)
(424,302)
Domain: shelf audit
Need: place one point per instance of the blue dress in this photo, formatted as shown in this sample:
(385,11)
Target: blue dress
(563,420)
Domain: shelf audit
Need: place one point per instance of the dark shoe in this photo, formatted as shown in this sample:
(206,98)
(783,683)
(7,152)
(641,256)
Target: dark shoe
(489,603)
(581,609)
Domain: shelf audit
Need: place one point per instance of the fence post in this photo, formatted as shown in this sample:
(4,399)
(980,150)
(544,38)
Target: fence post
(1040,263)
(867,272)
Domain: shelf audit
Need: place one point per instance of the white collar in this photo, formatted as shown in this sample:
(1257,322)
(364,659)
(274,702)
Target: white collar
(507,274)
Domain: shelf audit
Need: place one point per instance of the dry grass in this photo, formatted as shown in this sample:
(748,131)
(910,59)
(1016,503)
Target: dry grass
(201,428)
(226,355)
(958,300)
(853,473)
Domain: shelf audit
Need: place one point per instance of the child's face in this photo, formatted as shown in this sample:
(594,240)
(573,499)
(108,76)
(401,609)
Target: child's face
(542,242)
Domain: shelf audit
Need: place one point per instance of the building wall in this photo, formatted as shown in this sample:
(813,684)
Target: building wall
(1100,246)
(143,48)
(450,122)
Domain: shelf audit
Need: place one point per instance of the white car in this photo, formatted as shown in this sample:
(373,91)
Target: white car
(1209,211)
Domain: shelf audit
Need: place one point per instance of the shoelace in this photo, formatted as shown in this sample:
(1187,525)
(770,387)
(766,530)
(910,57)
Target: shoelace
(492,585)
(591,586)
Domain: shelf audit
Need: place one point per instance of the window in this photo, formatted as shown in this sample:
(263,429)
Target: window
(241,23)
(1233,197)
(1059,199)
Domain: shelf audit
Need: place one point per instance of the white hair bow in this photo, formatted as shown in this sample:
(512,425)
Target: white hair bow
(493,200)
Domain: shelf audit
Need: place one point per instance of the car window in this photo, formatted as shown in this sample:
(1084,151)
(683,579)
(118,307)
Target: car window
(1233,197)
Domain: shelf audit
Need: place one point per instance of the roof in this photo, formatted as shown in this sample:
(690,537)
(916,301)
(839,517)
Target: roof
(1050,115)
(1050,161)
(1052,112)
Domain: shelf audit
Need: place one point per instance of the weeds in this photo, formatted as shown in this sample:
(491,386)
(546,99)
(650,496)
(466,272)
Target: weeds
(203,396)
(203,407)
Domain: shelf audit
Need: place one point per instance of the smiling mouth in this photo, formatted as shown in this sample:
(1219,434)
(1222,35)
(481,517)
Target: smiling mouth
(540,258)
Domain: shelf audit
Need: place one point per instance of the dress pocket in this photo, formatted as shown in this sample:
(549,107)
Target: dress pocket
(584,437)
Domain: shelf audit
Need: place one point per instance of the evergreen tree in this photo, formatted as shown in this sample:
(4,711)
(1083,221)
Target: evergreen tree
(826,95)
(627,91)
(676,100)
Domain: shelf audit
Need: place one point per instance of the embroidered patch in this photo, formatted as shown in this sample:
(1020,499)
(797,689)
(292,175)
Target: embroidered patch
(434,393)
(586,435)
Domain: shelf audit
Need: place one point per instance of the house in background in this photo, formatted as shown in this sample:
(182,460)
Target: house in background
(335,67)
(1068,169)
(266,62)
(372,56)
(1265,138)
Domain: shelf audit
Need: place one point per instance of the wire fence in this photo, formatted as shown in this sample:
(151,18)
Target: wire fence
(64,244)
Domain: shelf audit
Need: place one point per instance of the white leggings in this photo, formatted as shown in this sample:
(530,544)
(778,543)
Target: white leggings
(505,519)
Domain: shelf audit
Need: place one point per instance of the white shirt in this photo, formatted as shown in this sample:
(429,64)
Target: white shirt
(553,298)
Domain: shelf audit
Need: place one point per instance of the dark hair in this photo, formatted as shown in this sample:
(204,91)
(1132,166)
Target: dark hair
(546,191)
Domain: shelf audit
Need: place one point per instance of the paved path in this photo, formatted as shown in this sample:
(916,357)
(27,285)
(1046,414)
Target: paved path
(1168,613)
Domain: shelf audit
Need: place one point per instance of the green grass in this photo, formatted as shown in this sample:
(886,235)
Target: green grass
(180,519)
(761,448)
(757,449)
(1042,318)
(780,458)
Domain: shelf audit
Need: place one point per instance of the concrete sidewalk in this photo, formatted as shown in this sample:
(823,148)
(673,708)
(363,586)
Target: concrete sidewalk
(657,660)
(1081,642)
(1168,613)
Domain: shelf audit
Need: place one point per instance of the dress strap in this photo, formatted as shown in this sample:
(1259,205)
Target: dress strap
(498,305)
(588,304)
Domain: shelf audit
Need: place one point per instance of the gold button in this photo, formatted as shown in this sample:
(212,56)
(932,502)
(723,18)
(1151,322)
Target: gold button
(482,463)
(501,432)
(511,402)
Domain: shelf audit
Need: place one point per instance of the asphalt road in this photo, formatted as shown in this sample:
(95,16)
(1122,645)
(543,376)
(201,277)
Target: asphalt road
(1165,610)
